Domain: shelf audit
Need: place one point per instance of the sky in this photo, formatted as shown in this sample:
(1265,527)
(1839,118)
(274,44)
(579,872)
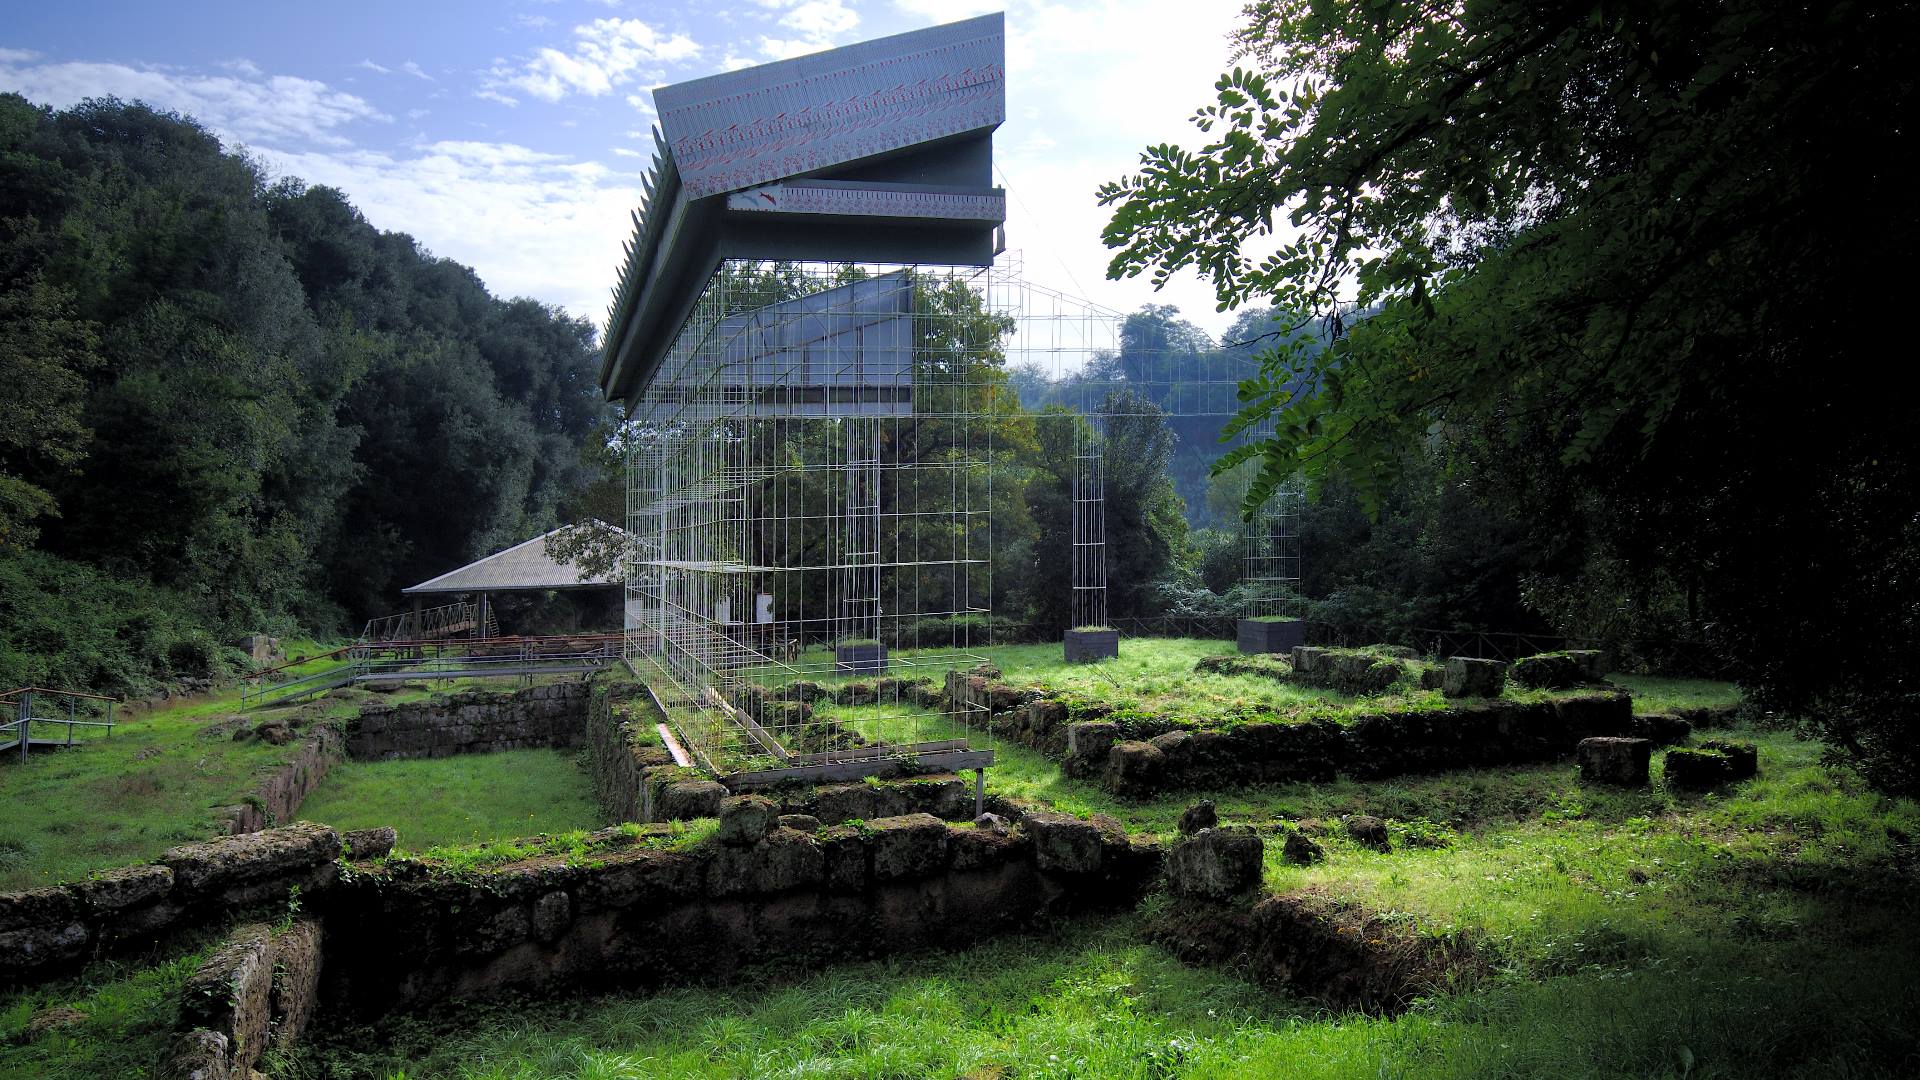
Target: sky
(512,136)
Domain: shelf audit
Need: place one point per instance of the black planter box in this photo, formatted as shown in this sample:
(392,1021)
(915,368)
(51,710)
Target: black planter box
(1089,645)
(1266,636)
(860,659)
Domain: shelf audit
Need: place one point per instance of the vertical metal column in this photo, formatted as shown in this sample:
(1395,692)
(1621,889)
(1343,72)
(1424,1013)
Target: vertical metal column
(1089,531)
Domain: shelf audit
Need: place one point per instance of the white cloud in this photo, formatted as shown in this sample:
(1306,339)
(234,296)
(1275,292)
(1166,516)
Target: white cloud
(17,56)
(530,223)
(948,10)
(497,97)
(241,65)
(621,151)
(820,19)
(817,24)
(415,70)
(607,53)
(534,22)
(371,66)
(246,109)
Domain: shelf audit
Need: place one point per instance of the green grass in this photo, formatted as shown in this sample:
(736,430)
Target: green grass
(1759,933)
(155,782)
(468,799)
(131,1008)
(1660,693)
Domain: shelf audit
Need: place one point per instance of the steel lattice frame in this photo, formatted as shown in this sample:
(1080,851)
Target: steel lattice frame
(814,467)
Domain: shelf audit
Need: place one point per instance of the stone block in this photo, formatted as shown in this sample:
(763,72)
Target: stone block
(231,994)
(1743,758)
(1216,864)
(1662,729)
(1369,832)
(1134,768)
(1089,646)
(217,866)
(1198,817)
(805,823)
(844,858)
(787,859)
(199,1054)
(983,848)
(114,890)
(1270,635)
(909,846)
(745,819)
(1301,851)
(371,843)
(295,954)
(1467,676)
(1088,744)
(552,914)
(684,800)
(1617,760)
(1176,745)
(1062,843)
(1549,671)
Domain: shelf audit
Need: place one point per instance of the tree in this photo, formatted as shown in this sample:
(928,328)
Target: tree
(1612,255)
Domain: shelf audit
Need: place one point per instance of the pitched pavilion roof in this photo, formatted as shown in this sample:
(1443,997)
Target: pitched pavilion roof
(522,567)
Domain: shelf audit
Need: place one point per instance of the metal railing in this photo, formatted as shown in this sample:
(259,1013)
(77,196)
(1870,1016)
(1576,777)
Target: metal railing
(427,624)
(440,661)
(19,730)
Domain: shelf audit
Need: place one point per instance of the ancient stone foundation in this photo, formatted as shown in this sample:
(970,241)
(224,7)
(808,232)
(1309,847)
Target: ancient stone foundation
(647,917)
(472,722)
(1307,943)
(1138,755)
(45,931)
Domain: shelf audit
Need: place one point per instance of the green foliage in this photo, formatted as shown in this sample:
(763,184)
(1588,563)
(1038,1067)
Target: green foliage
(1600,254)
(247,399)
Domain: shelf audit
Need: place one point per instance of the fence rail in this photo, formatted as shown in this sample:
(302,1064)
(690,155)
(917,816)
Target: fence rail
(18,731)
(435,661)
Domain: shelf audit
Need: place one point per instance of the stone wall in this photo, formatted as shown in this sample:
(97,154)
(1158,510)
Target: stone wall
(1308,943)
(254,993)
(46,931)
(636,780)
(650,916)
(1140,755)
(280,794)
(471,722)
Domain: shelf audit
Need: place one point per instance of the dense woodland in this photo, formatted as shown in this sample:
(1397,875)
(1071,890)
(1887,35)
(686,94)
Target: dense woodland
(232,405)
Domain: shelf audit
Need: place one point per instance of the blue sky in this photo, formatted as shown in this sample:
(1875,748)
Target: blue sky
(511,136)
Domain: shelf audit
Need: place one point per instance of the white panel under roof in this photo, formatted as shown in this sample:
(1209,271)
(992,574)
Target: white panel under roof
(794,117)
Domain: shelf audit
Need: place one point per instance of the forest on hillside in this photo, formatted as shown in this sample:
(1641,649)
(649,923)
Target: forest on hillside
(236,406)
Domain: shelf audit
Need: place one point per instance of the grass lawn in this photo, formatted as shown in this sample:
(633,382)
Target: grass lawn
(124,798)
(1660,693)
(469,799)
(155,782)
(131,1006)
(1757,932)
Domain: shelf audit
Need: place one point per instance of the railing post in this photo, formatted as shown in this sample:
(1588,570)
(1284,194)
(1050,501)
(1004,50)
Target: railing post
(26,720)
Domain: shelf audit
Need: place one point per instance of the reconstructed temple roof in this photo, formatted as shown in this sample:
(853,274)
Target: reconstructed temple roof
(878,152)
(522,567)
